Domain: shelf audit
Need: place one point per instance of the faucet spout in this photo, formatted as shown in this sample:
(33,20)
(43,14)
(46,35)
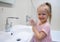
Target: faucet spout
(9,25)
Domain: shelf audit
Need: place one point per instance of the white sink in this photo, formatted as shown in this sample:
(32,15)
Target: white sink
(21,37)
(21,33)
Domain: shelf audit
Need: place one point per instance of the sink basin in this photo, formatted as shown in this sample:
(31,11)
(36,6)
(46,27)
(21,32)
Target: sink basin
(21,37)
(21,33)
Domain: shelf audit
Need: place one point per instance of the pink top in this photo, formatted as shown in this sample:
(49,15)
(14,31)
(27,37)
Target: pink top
(46,28)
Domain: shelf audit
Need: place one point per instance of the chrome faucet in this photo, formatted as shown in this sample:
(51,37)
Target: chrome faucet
(9,25)
(27,18)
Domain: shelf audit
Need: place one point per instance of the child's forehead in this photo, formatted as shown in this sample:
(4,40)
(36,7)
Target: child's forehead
(43,8)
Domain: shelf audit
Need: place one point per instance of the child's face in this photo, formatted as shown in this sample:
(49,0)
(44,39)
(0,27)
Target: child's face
(43,13)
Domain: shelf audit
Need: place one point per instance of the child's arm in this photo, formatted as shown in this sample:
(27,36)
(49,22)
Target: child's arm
(39,35)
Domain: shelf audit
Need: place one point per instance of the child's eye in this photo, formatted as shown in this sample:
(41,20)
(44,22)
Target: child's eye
(43,14)
(39,14)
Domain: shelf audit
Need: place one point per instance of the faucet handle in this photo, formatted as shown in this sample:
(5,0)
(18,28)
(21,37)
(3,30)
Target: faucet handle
(14,17)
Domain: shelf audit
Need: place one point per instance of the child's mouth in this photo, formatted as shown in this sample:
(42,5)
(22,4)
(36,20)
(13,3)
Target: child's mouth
(41,18)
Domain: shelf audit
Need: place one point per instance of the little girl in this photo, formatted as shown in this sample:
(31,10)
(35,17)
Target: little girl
(42,28)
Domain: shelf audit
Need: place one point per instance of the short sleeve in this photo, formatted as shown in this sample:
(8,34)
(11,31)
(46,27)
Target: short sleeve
(46,29)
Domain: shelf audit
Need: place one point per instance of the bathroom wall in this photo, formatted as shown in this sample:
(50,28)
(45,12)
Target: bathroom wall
(20,9)
(25,7)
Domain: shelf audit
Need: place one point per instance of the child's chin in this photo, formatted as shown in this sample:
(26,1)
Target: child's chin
(42,20)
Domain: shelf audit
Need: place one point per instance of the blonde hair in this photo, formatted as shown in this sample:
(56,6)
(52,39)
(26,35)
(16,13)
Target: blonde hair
(50,15)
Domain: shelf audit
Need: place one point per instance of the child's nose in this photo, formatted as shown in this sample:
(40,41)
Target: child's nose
(41,15)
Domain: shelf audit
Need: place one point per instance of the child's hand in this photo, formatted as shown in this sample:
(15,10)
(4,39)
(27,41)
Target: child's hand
(32,22)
